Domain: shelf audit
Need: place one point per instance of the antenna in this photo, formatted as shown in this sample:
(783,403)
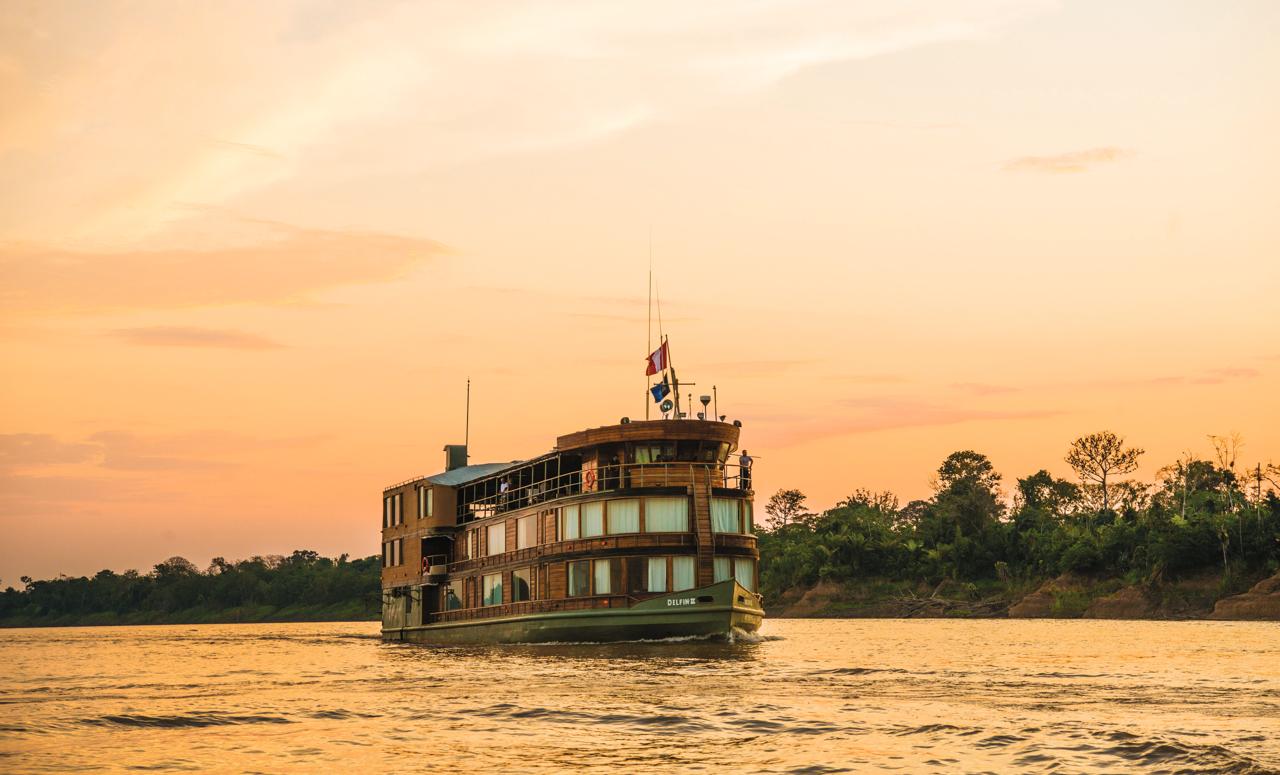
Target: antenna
(649,341)
(466,437)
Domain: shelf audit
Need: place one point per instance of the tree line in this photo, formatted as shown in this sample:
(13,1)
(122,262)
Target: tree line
(303,585)
(1198,515)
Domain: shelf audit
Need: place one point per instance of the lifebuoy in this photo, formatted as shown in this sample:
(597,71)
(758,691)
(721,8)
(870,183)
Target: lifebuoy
(426,563)
(589,478)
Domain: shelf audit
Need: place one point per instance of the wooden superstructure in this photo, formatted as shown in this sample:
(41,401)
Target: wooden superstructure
(640,528)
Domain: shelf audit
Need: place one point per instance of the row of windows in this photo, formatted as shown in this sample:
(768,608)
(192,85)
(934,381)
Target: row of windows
(609,576)
(392,513)
(393,506)
(613,517)
(393,553)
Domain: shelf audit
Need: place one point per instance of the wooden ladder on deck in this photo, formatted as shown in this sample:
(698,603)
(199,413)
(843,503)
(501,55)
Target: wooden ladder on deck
(700,488)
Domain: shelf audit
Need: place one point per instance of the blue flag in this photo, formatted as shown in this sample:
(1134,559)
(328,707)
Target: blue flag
(660,391)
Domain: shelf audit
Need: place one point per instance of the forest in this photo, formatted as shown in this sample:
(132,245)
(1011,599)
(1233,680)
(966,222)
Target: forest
(1199,516)
(300,587)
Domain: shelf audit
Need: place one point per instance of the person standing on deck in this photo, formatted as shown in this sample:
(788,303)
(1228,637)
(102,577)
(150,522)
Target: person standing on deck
(744,471)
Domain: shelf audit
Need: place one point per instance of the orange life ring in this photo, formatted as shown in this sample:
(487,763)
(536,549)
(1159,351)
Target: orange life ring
(589,478)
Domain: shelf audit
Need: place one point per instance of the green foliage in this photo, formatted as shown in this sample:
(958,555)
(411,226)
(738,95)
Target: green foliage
(301,586)
(1195,519)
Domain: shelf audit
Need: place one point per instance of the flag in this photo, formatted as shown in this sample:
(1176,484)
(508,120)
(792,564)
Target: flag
(660,391)
(657,361)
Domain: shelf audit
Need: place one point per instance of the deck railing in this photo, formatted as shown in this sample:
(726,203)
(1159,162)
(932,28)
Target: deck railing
(512,495)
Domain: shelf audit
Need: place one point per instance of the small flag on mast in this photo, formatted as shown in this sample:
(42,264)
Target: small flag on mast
(658,361)
(660,390)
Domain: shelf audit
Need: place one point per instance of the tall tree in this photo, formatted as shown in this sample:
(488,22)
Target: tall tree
(786,507)
(1099,457)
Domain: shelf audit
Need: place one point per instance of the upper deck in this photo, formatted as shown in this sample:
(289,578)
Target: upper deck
(630,455)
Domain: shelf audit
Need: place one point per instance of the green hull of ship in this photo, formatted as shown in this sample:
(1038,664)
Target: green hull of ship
(715,611)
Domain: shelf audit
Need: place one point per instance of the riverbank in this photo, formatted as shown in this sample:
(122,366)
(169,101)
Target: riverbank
(342,612)
(1069,596)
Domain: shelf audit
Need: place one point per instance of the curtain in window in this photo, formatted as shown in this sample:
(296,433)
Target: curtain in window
(493,589)
(723,568)
(579,578)
(497,543)
(744,572)
(748,521)
(624,516)
(657,581)
(569,522)
(603,575)
(666,515)
(592,519)
(682,575)
(724,515)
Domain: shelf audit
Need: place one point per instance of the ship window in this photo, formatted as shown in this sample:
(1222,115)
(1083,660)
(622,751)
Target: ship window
(666,515)
(579,581)
(386,511)
(682,574)
(520,586)
(744,572)
(624,516)
(453,596)
(425,502)
(569,523)
(724,515)
(592,519)
(526,532)
(637,578)
(655,453)
(496,542)
(608,576)
(493,589)
(748,522)
(723,569)
(396,516)
(399,551)
(687,451)
(657,580)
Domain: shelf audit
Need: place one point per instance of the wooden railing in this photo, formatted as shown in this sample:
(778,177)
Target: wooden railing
(578,546)
(604,478)
(530,607)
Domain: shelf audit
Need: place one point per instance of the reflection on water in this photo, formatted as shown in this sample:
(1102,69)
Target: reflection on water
(810,696)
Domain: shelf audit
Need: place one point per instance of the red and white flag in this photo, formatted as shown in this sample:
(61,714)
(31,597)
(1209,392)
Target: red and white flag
(657,361)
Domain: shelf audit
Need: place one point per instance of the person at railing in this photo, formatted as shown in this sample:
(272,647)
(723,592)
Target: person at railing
(744,471)
(503,486)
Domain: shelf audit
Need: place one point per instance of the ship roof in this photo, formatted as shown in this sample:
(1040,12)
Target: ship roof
(466,474)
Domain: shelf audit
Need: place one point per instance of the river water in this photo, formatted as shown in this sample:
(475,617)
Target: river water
(811,696)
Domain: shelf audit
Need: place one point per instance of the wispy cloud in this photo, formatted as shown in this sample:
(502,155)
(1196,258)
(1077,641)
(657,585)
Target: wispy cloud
(1073,161)
(870,415)
(35,449)
(271,262)
(127,451)
(189,336)
(982,388)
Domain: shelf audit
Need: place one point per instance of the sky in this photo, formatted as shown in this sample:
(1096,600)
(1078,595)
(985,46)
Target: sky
(250,253)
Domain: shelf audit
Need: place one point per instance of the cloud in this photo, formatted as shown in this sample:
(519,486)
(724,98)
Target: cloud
(189,336)
(268,262)
(982,389)
(871,415)
(35,449)
(123,109)
(127,451)
(1073,161)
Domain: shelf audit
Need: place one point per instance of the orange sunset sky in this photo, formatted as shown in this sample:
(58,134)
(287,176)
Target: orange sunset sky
(250,252)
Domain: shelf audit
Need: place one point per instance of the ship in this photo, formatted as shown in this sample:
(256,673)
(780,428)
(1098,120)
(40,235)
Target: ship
(639,530)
